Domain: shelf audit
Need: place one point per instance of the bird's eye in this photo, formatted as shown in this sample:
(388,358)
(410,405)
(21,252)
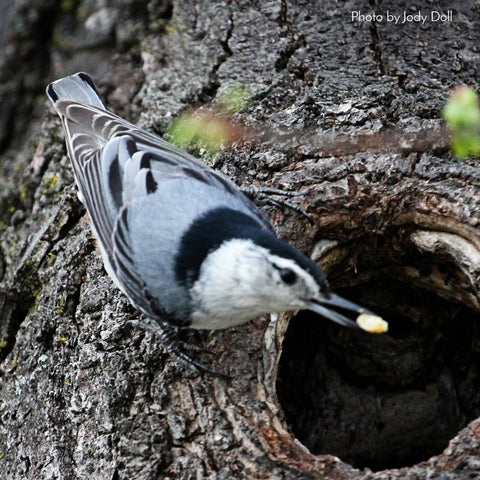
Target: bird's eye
(288,276)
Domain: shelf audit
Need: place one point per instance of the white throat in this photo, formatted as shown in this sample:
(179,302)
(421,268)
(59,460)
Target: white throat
(237,283)
(222,294)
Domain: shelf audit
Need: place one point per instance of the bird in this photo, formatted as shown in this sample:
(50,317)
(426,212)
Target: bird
(177,237)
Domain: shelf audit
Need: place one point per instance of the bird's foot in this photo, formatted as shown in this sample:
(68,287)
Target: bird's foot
(178,349)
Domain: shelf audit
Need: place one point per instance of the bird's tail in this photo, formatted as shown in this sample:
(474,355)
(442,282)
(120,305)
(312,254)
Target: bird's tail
(78,87)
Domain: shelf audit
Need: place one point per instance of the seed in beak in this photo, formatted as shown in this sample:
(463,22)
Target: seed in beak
(372,323)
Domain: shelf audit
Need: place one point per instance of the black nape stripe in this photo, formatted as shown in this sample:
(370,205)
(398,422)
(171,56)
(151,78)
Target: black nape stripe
(215,227)
(151,183)
(205,235)
(51,93)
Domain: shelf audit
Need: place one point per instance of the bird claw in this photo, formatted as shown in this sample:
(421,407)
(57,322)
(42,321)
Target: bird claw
(266,191)
(177,348)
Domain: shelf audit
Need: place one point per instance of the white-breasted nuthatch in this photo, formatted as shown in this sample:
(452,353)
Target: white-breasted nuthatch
(185,245)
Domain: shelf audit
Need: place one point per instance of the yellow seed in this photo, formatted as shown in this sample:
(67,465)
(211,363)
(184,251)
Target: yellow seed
(372,323)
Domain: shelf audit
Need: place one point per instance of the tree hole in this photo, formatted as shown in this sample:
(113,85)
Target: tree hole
(391,400)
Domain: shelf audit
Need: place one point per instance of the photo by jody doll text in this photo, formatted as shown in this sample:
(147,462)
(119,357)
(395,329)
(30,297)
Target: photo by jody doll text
(403,17)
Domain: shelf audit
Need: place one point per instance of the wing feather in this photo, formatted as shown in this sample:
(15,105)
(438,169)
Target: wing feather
(115,164)
(165,157)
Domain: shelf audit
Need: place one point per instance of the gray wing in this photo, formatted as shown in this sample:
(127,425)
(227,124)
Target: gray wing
(96,170)
(116,165)
(89,128)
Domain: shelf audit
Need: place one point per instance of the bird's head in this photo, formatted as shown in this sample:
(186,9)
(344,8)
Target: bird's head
(247,277)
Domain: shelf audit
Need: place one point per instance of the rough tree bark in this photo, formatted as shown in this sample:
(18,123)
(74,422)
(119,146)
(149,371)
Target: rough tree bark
(397,227)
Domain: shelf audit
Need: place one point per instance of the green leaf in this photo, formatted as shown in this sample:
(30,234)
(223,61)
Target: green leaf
(462,114)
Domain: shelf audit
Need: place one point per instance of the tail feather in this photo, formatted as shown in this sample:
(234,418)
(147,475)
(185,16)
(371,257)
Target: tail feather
(78,87)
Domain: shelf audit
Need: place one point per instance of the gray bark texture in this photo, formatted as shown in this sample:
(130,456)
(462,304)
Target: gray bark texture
(356,111)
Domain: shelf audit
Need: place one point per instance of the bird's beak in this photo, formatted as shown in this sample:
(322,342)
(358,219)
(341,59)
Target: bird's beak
(321,306)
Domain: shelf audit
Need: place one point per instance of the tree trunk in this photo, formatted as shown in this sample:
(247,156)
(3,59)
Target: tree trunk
(356,111)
